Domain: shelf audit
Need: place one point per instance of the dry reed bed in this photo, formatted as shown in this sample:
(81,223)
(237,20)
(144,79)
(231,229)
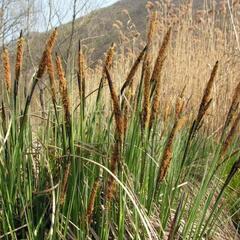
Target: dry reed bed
(177,70)
(195,46)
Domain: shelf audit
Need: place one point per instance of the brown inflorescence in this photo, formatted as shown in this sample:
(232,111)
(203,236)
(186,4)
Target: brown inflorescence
(167,153)
(230,135)
(233,108)
(92,199)
(133,70)
(81,73)
(50,70)
(146,95)
(7,70)
(147,68)
(19,57)
(111,184)
(116,107)
(156,76)
(206,99)
(48,50)
(63,89)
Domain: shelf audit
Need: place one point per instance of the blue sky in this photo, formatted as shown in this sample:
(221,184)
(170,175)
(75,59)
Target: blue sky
(62,11)
(111,2)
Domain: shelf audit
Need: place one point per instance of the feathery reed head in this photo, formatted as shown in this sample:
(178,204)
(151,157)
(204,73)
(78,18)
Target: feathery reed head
(7,70)
(50,70)
(209,86)
(92,199)
(152,27)
(116,107)
(64,183)
(61,76)
(133,70)
(109,56)
(111,184)
(48,50)
(81,60)
(156,79)
(81,73)
(19,56)
(167,112)
(230,135)
(52,40)
(206,100)
(147,68)
(233,109)
(168,152)
(180,104)
(161,57)
(110,190)
(146,95)
(63,88)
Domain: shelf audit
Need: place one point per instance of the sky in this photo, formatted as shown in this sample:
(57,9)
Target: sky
(62,11)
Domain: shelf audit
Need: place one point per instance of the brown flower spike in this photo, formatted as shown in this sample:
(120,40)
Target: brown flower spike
(7,70)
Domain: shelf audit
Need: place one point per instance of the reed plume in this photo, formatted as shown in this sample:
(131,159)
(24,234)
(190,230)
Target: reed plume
(7,69)
(64,183)
(92,198)
(48,50)
(206,99)
(180,103)
(230,136)
(116,107)
(133,70)
(129,83)
(152,28)
(204,105)
(167,112)
(107,64)
(162,54)
(50,70)
(179,106)
(41,69)
(66,106)
(116,155)
(63,90)
(167,156)
(167,153)
(109,57)
(147,68)
(156,76)
(111,184)
(18,65)
(232,110)
(146,95)
(81,74)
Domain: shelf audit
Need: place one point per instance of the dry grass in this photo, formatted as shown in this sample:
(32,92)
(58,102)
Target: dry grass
(165,84)
(7,70)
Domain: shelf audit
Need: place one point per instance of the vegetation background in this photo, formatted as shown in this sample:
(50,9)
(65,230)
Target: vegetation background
(122,123)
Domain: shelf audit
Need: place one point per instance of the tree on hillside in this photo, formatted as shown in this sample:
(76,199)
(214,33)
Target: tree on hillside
(15,15)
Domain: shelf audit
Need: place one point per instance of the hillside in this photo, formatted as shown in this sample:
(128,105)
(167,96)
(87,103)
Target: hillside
(96,29)
(142,145)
